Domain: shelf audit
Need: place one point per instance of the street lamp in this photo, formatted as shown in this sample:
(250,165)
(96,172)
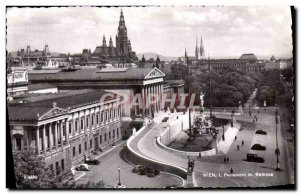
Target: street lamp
(277,151)
(223,136)
(119,170)
(210,88)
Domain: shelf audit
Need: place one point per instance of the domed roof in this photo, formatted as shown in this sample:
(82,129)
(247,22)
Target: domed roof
(272,58)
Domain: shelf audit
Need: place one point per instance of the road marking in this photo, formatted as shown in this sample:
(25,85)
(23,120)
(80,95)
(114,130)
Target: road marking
(108,151)
(83,173)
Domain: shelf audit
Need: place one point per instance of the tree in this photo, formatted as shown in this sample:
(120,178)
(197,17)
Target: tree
(31,170)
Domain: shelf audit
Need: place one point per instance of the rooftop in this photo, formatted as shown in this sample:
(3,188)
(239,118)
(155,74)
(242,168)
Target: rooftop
(94,74)
(40,86)
(41,104)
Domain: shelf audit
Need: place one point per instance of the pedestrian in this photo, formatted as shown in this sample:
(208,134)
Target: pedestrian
(235,137)
(242,142)
(256,118)
(227,160)
(249,112)
(238,147)
(224,159)
(231,170)
(199,154)
(253,120)
(258,112)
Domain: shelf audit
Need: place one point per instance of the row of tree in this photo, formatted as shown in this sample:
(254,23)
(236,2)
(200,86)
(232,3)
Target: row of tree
(229,85)
(270,88)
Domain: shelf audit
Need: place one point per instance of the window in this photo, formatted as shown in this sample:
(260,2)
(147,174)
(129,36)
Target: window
(110,114)
(91,143)
(76,125)
(81,123)
(74,151)
(100,139)
(97,119)
(51,167)
(85,145)
(92,120)
(101,117)
(57,168)
(62,164)
(70,127)
(105,138)
(118,132)
(113,133)
(106,116)
(19,142)
(87,122)
(79,149)
(109,135)
(114,113)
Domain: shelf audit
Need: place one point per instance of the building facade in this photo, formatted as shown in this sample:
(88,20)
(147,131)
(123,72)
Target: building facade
(63,129)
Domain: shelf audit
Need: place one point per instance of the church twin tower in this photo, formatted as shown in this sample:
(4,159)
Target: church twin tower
(199,52)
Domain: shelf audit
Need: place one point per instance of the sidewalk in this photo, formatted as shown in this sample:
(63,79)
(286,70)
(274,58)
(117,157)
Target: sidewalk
(224,146)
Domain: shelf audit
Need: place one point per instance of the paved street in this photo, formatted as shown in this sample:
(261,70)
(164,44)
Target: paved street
(145,143)
(108,172)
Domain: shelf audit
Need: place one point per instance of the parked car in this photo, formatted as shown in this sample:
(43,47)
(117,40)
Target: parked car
(156,172)
(92,161)
(255,158)
(258,147)
(142,172)
(261,132)
(150,175)
(83,167)
(137,168)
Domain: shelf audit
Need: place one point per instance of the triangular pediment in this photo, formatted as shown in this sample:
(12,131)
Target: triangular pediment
(154,73)
(56,111)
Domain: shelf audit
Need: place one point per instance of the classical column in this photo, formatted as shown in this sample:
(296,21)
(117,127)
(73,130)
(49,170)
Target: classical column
(143,101)
(51,136)
(147,99)
(44,138)
(55,134)
(61,133)
(67,130)
(157,97)
(38,140)
(73,123)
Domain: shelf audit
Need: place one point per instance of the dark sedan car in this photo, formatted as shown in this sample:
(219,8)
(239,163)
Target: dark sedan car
(258,147)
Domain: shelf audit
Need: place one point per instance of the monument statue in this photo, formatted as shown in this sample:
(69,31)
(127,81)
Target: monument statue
(191,164)
(201,99)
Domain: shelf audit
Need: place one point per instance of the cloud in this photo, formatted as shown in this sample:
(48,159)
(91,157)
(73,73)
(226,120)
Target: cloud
(227,31)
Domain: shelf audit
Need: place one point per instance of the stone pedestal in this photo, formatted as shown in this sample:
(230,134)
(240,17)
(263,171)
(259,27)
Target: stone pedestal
(189,179)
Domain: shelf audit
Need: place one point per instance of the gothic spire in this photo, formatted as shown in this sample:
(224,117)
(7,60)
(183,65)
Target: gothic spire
(196,50)
(201,48)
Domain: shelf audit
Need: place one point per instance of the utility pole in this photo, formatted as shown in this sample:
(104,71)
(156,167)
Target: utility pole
(188,69)
(210,88)
(277,151)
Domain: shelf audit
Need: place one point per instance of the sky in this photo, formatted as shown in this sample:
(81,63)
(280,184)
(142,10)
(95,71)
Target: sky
(226,31)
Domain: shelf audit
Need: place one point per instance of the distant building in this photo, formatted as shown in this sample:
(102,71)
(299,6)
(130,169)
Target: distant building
(249,57)
(122,51)
(17,82)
